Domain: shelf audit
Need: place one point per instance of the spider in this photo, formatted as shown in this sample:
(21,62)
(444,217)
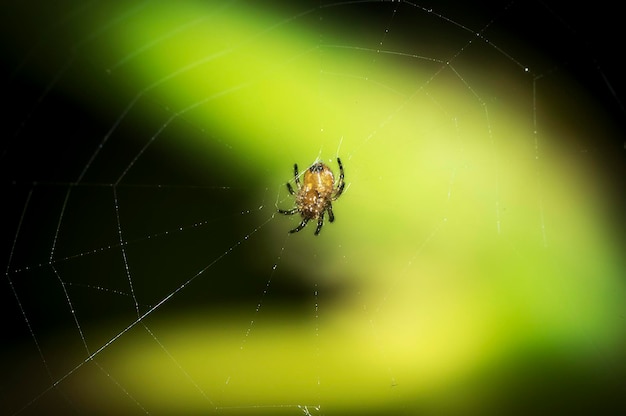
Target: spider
(315,194)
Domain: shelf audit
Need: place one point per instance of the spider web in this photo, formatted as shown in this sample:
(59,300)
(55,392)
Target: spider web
(475,264)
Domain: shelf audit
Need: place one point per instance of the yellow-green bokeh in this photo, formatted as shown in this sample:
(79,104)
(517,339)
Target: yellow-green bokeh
(471,240)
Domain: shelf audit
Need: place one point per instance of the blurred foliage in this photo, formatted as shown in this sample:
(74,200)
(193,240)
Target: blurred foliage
(474,266)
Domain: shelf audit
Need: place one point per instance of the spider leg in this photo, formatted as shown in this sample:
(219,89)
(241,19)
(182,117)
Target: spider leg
(320,222)
(288,211)
(331,216)
(299,227)
(341,182)
(295,174)
(290,189)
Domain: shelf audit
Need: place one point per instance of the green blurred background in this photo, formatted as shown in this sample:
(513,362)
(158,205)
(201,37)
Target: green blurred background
(476,264)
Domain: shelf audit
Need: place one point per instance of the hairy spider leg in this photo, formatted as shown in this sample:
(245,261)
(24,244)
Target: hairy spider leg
(331,216)
(301,226)
(341,182)
(295,174)
(296,178)
(320,222)
(289,211)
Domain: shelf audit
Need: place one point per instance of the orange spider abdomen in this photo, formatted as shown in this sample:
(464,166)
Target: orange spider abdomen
(316,192)
(314,195)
